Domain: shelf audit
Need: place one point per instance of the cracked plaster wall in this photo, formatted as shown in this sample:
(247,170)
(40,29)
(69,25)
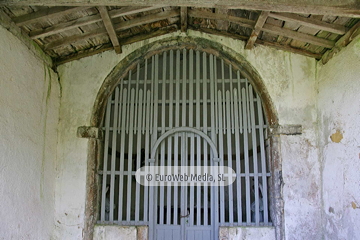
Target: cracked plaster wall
(339,142)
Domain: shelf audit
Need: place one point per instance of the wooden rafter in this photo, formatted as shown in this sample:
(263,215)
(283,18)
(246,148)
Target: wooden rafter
(297,35)
(118,27)
(288,48)
(184,18)
(9,24)
(219,33)
(85,21)
(221,24)
(46,13)
(106,47)
(244,22)
(259,24)
(349,8)
(342,42)
(309,22)
(267,28)
(110,28)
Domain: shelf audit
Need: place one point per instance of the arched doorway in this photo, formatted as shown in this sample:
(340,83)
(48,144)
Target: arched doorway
(186,88)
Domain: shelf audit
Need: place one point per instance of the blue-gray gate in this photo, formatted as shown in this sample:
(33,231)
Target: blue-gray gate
(184,88)
(184,212)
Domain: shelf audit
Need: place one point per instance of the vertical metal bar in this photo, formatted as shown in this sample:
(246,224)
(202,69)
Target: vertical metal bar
(153,129)
(153,192)
(161,195)
(136,129)
(130,150)
(221,155)
(163,94)
(153,92)
(254,150)
(214,65)
(238,159)
(232,99)
(169,196)
(147,150)
(171,90)
(240,109)
(177,124)
(156,99)
(263,159)
(128,102)
(122,147)
(198,152)
(213,97)
(192,142)
(247,104)
(170,146)
(205,105)
(106,154)
(198,93)
(246,155)
(223,97)
(229,153)
(184,84)
(120,99)
(162,145)
(183,195)
(145,97)
(113,154)
(214,190)
(138,154)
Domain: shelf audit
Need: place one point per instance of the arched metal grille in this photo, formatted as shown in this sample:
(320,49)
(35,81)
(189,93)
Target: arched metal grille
(193,89)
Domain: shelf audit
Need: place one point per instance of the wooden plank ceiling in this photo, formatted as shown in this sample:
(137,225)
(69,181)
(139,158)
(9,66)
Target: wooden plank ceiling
(68,33)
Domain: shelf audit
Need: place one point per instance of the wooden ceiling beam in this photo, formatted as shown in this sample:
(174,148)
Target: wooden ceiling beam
(298,36)
(267,28)
(107,47)
(46,13)
(64,26)
(221,24)
(118,27)
(86,21)
(184,18)
(259,24)
(346,8)
(110,28)
(288,48)
(244,22)
(8,24)
(146,19)
(342,42)
(309,22)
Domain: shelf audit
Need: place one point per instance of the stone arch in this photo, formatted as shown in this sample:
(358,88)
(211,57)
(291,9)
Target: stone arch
(237,61)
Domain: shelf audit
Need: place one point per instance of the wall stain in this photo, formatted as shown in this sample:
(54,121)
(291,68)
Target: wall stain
(336,137)
(47,75)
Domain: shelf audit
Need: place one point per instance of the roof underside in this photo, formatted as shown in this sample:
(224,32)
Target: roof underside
(67,33)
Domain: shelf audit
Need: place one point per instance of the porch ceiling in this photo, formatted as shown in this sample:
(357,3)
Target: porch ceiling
(68,30)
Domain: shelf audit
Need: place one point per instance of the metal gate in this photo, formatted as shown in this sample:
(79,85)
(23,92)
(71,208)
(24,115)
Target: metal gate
(184,88)
(184,212)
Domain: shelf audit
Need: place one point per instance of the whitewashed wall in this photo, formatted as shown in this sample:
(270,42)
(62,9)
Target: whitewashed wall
(290,80)
(29,107)
(339,142)
(43,173)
